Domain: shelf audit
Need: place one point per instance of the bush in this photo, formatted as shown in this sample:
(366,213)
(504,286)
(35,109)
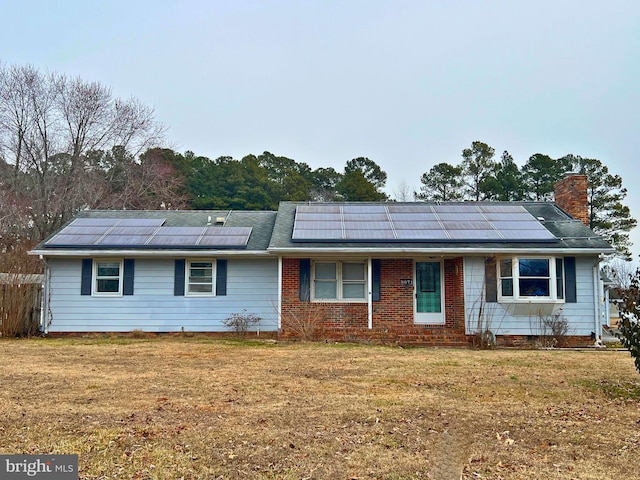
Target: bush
(305,322)
(629,327)
(241,322)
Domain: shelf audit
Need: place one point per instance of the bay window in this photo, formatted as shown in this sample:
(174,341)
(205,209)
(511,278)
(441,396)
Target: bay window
(530,278)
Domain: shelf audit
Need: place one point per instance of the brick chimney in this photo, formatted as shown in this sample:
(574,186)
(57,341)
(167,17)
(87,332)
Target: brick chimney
(571,195)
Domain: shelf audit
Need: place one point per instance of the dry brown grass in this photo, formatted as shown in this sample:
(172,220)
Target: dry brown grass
(197,408)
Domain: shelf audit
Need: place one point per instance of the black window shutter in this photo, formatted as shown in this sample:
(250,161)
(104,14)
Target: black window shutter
(178,277)
(128,276)
(85,282)
(571,293)
(375,278)
(490,280)
(305,280)
(221,277)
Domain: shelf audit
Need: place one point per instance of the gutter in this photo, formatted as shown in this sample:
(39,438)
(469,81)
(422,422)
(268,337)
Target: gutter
(436,251)
(147,253)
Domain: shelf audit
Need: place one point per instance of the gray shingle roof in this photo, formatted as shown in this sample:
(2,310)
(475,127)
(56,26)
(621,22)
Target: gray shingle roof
(273,230)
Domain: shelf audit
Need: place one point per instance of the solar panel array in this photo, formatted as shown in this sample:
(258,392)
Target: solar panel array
(417,223)
(146,233)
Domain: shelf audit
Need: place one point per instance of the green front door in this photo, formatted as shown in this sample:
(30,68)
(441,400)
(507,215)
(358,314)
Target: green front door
(428,293)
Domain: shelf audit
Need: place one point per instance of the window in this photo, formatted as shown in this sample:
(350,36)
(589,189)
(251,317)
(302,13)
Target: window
(200,275)
(341,281)
(530,279)
(107,277)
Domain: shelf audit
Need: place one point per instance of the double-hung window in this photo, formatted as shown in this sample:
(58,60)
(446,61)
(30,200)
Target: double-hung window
(107,278)
(200,275)
(530,278)
(339,281)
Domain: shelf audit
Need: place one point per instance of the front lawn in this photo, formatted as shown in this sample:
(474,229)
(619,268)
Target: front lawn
(199,408)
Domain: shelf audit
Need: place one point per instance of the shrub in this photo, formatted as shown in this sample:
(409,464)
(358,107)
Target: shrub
(306,322)
(629,327)
(241,322)
(550,330)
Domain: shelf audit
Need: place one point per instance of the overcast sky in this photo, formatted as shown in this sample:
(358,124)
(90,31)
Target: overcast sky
(408,84)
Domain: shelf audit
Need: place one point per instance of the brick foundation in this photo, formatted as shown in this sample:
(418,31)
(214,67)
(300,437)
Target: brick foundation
(530,341)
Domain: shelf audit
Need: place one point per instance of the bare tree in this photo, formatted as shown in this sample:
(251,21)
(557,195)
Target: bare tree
(49,125)
(404,193)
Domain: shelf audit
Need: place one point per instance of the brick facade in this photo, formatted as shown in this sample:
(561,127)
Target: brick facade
(392,315)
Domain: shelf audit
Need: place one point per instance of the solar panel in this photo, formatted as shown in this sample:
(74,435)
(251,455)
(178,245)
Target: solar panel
(475,234)
(226,236)
(97,222)
(141,222)
(72,240)
(177,236)
(367,225)
(422,235)
(369,235)
(413,217)
(368,209)
(88,230)
(145,233)
(464,225)
(122,240)
(317,234)
(173,240)
(415,225)
(364,217)
(455,208)
(417,222)
(132,230)
(224,240)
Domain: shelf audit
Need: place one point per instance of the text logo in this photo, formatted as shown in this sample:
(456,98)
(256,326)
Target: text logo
(49,467)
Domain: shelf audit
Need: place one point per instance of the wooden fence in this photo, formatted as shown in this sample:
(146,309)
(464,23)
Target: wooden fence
(20,308)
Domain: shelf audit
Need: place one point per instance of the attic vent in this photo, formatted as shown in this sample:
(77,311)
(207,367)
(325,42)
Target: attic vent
(220,220)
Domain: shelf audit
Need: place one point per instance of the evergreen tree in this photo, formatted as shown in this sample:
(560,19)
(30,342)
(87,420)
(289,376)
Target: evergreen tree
(442,183)
(509,180)
(608,217)
(478,167)
(539,174)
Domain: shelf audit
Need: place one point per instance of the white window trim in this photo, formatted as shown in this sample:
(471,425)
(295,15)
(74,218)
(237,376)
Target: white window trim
(515,276)
(187,266)
(340,282)
(94,277)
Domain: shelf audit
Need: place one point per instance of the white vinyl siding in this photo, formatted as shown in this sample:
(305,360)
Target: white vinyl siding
(252,284)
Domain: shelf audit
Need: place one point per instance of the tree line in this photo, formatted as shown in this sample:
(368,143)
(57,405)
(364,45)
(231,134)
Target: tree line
(67,145)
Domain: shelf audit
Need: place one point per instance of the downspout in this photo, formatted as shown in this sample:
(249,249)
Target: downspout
(44,301)
(369,294)
(597,326)
(279,312)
